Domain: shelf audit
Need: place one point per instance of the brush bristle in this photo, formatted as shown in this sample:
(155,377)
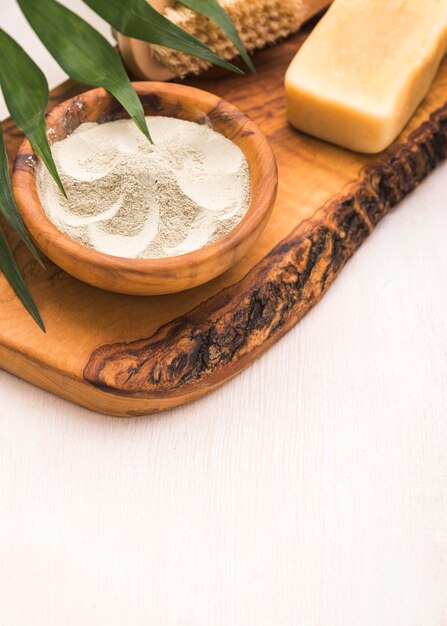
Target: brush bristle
(258,22)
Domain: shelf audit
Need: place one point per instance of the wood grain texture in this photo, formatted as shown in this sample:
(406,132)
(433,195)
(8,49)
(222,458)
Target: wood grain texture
(136,355)
(150,276)
(214,341)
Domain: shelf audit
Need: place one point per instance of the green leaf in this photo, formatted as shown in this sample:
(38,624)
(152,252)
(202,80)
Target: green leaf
(213,10)
(10,269)
(25,90)
(138,19)
(83,53)
(7,203)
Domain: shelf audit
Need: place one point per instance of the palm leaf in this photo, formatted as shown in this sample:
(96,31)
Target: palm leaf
(7,204)
(213,10)
(83,53)
(138,19)
(10,269)
(25,90)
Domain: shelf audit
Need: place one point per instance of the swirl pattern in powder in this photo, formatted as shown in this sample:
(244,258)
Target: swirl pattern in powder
(129,198)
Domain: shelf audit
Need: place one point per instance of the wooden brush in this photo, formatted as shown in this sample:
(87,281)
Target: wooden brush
(259,23)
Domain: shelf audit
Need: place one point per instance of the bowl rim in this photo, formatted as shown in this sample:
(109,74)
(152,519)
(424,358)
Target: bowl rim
(42,229)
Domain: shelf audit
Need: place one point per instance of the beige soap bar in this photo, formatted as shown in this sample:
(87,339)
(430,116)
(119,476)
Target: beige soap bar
(364,70)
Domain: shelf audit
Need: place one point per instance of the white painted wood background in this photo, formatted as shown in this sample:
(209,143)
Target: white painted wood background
(310,491)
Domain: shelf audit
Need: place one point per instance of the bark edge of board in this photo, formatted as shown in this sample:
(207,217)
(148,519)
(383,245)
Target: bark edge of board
(221,336)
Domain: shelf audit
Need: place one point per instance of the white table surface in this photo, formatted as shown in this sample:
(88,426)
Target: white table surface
(310,491)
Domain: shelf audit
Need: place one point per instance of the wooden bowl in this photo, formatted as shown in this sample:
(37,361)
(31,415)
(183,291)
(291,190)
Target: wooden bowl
(151,276)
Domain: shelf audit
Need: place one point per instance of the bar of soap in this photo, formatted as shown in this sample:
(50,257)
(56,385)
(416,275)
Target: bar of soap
(364,70)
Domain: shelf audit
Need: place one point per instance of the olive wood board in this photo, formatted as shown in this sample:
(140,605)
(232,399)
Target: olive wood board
(130,355)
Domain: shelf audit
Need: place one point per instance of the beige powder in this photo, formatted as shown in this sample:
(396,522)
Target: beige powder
(129,198)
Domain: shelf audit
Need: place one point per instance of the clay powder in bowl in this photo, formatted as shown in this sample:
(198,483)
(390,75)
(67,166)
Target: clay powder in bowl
(121,229)
(133,199)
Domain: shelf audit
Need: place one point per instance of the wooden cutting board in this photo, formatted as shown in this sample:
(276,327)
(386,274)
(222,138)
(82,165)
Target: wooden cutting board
(124,355)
